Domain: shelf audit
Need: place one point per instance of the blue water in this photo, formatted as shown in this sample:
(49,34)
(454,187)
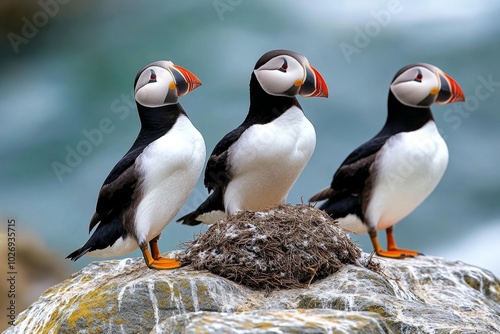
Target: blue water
(78,70)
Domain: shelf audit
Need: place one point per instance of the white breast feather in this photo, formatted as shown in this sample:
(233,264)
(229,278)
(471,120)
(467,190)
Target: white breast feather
(170,166)
(409,167)
(267,160)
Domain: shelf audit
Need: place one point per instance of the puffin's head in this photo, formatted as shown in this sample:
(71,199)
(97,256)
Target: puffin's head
(287,73)
(420,85)
(161,83)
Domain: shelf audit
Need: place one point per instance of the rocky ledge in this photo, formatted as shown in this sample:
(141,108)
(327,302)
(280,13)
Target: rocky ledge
(418,295)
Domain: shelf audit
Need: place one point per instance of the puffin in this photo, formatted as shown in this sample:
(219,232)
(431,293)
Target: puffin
(149,185)
(254,166)
(386,178)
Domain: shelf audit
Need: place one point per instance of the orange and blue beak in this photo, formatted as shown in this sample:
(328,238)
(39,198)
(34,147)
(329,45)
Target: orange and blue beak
(185,80)
(314,85)
(450,90)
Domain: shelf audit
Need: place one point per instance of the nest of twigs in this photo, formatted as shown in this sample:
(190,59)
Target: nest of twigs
(284,247)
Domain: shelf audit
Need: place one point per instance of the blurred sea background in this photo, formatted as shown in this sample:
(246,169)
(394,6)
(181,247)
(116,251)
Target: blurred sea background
(68,65)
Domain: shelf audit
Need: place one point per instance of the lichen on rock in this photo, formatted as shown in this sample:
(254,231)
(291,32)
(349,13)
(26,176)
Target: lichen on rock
(416,295)
(272,321)
(283,247)
(419,295)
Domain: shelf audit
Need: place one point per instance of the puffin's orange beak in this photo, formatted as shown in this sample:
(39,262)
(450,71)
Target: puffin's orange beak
(450,90)
(314,84)
(185,80)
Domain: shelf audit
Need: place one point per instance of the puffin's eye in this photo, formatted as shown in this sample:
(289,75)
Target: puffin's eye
(152,76)
(419,76)
(283,67)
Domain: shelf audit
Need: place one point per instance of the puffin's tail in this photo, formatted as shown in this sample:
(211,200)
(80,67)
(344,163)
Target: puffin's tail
(105,235)
(79,253)
(208,212)
(323,194)
(342,204)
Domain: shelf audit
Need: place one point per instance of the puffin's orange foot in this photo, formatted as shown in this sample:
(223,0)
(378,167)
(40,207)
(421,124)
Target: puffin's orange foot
(392,250)
(407,252)
(155,250)
(392,247)
(396,253)
(159,262)
(164,263)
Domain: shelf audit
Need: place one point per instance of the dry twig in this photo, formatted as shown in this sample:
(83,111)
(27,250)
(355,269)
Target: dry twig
(284,247)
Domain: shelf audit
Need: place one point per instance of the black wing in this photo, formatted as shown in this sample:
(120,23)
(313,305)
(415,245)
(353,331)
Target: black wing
(115,195)
(118,189)
(213,203)
(343,194)
(353,172)
(355,169)
(218,171)
(217,176)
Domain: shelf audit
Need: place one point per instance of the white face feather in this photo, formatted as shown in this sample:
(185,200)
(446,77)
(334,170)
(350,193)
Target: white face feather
(280,74)
(417,87)
(156,86)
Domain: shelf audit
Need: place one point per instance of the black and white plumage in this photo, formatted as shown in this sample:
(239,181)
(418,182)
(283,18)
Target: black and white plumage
(149,185)
(385,179)
(255,165)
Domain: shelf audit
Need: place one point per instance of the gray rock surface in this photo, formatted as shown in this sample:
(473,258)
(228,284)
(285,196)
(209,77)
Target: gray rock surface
(419,295)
